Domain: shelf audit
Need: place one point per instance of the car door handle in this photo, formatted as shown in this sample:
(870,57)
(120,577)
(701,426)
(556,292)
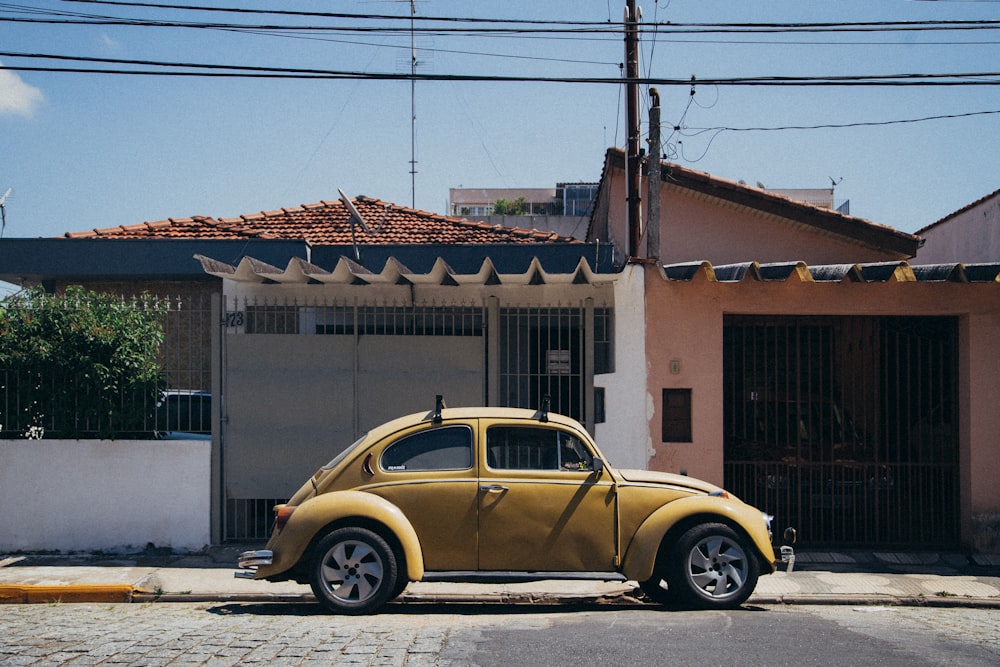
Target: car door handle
(493,488)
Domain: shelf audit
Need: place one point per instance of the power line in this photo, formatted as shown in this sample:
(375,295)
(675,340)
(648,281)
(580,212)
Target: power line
(249,71)
(288,12)
(837,126)
(655,26)
(574,28)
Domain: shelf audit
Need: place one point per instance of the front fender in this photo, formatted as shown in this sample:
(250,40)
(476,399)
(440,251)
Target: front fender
(640,555)
(316,513)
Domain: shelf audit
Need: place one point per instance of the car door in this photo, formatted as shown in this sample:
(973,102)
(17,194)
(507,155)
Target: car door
(430,474)
(542,507)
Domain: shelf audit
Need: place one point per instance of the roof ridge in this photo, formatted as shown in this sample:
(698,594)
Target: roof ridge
(957,212)
(465,222)
(822,210)
(858,230)
(327,222)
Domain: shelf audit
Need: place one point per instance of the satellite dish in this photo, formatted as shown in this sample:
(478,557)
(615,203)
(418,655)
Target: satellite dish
(355,213)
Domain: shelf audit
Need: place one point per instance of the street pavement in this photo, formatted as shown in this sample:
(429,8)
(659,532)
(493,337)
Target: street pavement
(158,575)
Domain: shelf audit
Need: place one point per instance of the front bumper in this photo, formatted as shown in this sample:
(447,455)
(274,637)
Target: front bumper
(787,556)
(249,561)
(787,550)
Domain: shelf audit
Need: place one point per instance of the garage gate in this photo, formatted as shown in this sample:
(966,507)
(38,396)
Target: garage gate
(845,427)
(301,382)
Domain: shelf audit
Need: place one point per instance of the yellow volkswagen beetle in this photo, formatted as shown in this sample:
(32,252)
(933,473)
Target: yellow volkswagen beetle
(459,493)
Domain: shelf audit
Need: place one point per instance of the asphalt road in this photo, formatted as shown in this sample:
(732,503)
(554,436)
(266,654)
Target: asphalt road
(486,635)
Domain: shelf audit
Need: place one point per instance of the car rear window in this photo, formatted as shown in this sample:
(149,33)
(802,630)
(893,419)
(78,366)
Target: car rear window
(447,448)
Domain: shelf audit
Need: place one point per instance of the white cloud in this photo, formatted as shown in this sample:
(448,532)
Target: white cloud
(109,43)
(16,97)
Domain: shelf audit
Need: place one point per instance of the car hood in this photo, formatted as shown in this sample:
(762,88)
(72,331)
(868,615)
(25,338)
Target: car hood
(668,479)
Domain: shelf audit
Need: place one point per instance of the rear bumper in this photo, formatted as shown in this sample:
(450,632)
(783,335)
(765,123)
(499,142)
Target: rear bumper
(249,561)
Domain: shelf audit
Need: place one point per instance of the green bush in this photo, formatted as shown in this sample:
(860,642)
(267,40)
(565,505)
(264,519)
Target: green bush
(79,364)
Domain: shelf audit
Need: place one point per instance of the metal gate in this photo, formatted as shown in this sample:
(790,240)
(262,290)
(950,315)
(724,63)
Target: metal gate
(553,352)
(845,427)
(301,382)
(299,379)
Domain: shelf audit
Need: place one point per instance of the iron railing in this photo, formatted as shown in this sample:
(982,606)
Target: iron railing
(845,427)
(54,399)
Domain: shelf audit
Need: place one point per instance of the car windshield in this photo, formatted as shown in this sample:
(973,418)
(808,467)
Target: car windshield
(343,455)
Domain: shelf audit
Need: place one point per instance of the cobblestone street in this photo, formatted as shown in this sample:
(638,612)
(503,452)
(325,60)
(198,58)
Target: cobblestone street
(450,635)
(214,634)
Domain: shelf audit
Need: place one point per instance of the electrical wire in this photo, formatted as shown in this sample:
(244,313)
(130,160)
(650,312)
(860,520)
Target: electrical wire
(168,68)
(655,26)
(567,27)
(696,130)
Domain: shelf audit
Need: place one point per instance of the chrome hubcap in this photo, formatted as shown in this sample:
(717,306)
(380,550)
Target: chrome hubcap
(717,567)
(352,571)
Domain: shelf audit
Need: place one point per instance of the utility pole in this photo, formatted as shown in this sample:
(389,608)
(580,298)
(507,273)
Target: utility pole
(413,109)
(653,178)
(632,155)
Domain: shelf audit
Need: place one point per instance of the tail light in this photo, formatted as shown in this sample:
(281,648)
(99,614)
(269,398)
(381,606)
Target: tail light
(282,513)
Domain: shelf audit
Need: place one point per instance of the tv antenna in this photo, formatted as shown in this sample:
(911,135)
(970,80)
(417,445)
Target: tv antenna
(3,211)
(413,66)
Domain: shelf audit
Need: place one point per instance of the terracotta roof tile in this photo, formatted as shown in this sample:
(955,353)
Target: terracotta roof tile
(329,223)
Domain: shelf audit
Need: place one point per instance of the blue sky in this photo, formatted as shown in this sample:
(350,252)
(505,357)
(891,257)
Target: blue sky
(87,150)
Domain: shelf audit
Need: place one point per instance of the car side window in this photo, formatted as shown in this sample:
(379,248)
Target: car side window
(448,448)
(531,448)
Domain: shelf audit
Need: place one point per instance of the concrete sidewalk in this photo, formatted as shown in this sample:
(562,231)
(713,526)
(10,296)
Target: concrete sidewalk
(924,579)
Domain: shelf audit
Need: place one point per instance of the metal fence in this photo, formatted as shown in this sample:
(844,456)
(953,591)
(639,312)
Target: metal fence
(50,396)
(846,427)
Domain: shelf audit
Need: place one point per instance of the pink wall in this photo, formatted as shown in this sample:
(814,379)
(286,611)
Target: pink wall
(684,325)
(695,227)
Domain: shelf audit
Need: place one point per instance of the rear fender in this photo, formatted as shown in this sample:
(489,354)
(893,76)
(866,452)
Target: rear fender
(317,513)
(640,555)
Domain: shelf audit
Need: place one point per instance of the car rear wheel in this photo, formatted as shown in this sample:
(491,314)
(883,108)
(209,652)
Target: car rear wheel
(712,568)
(353,571)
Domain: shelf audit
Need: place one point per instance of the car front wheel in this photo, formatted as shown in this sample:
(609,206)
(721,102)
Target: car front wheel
(711,568)
(655,590)
(353,571)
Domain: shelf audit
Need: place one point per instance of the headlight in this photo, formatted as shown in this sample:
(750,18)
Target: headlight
(767,520)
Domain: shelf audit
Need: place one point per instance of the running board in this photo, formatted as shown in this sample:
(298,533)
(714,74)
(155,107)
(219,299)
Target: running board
(517,577)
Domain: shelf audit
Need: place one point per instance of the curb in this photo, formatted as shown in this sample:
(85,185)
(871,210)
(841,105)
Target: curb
(27,594)
(868,600)
(147,597)
(123,593)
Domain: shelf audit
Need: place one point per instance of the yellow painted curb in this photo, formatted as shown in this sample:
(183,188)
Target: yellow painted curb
(73,593)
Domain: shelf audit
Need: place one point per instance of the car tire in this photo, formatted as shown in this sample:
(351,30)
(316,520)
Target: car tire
(353,571)
(401,584)
(711,567)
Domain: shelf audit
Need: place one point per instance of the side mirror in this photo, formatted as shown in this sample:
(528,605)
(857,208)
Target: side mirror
(598,464)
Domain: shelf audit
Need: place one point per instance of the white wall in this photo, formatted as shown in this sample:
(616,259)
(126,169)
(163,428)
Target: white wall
(116,496)
(970,236)
(624,437)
